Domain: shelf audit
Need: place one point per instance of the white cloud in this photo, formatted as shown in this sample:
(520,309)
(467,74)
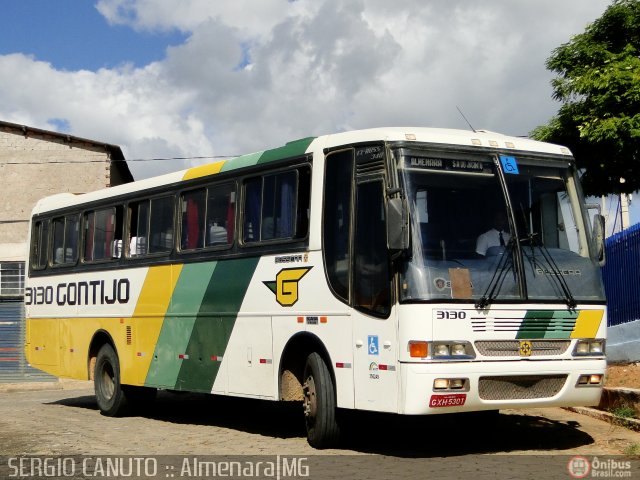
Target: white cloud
(253,75)
(134,108)
(250,16)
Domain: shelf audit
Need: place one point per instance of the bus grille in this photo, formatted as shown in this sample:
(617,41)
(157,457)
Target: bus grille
(520,387)
(511,348)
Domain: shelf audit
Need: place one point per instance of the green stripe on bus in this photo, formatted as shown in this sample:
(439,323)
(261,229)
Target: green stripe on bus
(214,323)
(178,324)
(562,324)
(297,148)
(241,162)
(547,324)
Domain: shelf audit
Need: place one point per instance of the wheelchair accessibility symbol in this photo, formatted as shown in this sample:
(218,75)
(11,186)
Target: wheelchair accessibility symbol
(372,343)
(509,165)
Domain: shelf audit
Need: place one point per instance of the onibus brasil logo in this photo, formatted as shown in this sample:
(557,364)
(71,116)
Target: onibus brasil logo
(285,285)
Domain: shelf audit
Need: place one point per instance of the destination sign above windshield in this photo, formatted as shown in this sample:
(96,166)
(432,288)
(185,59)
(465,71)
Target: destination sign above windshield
(434,163)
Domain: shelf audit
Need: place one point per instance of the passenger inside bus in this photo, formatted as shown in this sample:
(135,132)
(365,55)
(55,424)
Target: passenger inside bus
(497,236)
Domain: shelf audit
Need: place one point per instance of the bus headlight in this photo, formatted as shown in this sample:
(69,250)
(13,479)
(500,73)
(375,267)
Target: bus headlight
(591,347)
(444,350)
(441,350)
(597,347)
(590,380)
(456,350)
(451,384)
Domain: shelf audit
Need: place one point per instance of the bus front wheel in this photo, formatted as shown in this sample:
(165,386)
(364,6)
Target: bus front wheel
(109,393)
(319,403)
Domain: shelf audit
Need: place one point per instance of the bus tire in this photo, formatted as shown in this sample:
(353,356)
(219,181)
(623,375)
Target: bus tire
(110,396)
(319,403)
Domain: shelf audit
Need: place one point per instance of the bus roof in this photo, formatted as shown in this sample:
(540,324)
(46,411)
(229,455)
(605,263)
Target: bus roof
(479,138)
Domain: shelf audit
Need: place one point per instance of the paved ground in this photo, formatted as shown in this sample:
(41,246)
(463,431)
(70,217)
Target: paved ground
(68,422)
(514,444)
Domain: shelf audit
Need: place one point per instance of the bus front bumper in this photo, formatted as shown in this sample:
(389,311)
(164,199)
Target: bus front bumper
(499,384)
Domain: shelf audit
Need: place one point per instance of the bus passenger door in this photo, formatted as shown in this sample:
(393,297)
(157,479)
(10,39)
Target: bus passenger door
(374,328)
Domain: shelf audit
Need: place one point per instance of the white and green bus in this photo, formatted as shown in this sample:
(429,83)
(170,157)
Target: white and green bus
(348,271)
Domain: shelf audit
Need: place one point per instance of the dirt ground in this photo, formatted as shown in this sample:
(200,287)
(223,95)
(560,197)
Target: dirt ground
(627,375)
(68,422)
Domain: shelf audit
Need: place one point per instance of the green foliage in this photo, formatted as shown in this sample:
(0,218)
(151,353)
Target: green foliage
(598,84)
(623,411)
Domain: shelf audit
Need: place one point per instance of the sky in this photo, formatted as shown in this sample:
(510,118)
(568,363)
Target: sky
(206,78)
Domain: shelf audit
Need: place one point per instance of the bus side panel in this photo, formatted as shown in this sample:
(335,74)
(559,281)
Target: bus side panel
(196,329)
(249,357)
(332,328)
(43,346)
(177,325)
(293,289)
(148,317)
(65,312)
(75,335)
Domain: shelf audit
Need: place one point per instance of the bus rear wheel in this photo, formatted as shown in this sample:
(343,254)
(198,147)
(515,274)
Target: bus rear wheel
(319,403)
(110,396)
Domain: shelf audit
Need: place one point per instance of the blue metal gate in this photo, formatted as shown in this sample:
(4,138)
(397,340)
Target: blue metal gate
(621,276)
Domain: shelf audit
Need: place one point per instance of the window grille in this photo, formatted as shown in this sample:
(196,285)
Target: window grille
(11,279)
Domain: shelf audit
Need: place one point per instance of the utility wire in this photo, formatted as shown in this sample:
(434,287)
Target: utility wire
(211,157)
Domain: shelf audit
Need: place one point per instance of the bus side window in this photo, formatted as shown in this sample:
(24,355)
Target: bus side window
(336,220)
(138,228)
(276,206)
(65,240)
(151,226)
(103,234)
(161,225)
(279,206)
(193,211)
(252,209)
(39,244)
(220,215)
(371,285)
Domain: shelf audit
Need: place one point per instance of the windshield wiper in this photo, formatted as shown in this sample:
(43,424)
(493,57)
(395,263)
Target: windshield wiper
(551,264)
(497,280)
(553,267)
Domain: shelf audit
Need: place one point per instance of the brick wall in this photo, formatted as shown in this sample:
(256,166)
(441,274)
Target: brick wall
(30,169)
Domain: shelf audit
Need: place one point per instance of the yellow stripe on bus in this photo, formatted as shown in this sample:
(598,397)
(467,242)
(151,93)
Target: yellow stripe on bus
(204,170)
(587,324)
(148,317)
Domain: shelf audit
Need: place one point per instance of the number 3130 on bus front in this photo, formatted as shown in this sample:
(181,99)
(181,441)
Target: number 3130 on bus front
(450,314)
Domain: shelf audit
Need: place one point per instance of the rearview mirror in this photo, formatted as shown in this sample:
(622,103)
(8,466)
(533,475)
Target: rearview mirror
(598,237)
(397,224)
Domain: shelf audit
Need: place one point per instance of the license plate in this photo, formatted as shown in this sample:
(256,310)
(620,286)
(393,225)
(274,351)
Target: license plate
(451,400)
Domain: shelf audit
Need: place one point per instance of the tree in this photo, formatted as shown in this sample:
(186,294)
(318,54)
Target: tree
(598,83)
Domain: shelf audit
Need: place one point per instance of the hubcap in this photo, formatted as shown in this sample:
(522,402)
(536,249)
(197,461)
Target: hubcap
(310,401)
(108,383)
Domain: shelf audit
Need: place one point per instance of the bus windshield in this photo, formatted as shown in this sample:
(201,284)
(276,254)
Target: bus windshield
(467,244)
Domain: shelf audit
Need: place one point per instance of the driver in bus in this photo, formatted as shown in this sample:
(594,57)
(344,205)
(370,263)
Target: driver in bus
(497,236)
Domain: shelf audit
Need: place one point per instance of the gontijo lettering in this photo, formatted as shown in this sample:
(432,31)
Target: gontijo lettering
(93,292)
